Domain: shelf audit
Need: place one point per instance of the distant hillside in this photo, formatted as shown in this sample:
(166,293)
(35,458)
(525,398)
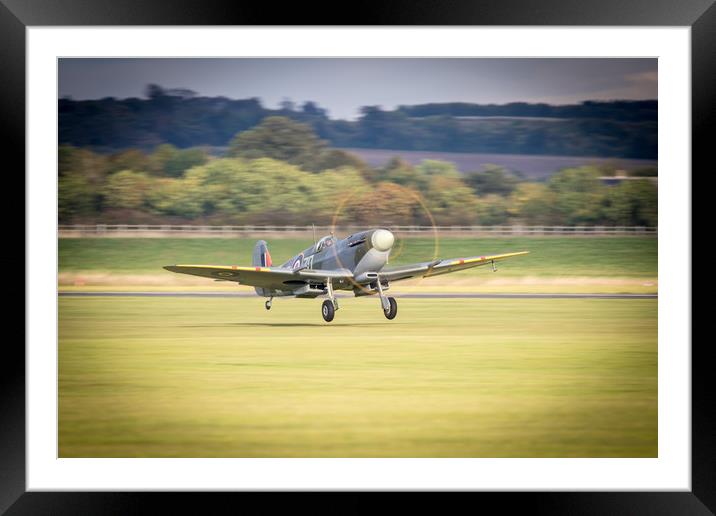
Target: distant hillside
(529,166)
(616,129)
(622,110)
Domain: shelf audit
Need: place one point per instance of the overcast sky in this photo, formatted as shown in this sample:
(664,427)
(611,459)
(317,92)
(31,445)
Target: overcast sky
(343,85)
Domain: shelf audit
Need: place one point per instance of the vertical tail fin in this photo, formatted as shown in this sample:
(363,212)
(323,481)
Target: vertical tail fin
(261,258)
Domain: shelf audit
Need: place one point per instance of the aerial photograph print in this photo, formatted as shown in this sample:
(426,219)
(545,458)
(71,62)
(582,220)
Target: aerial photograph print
(357,257)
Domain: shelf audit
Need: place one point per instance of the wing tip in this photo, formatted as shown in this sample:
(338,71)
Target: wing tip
(517,253)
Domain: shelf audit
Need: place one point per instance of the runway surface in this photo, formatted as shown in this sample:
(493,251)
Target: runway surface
(445,295)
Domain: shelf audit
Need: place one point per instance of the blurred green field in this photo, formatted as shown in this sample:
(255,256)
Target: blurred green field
(174,377)
(553,256)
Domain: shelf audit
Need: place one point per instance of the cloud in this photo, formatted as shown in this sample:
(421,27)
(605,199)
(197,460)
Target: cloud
(648,78)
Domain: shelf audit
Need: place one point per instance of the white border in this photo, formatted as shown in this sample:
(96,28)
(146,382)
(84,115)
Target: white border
(671,470)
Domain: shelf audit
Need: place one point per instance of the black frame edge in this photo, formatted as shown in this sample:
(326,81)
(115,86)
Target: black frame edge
(700,14)
(703,124)
(12,379)
(395,12)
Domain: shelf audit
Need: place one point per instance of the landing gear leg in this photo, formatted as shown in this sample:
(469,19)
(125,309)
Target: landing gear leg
(331,294)
(330,305)
(389,304)
(268,303)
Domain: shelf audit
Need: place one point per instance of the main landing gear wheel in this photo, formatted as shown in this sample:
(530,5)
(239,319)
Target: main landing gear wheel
(328,311)
(391,312)
(268,304)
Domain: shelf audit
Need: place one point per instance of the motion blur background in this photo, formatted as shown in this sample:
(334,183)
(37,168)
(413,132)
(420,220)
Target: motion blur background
(165,161)
(482,141)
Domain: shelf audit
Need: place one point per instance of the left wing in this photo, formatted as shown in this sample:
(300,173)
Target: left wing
(437,267)
(275,278)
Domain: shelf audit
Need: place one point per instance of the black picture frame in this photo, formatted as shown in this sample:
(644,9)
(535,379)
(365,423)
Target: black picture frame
(17,15)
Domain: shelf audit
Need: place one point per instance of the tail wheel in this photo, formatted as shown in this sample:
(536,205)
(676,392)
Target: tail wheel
(391,312)
(328,311)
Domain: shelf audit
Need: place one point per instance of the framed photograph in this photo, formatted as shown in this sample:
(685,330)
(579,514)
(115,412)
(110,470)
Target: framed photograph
(173,156)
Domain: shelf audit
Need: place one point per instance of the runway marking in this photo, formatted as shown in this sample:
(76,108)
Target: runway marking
(446,295)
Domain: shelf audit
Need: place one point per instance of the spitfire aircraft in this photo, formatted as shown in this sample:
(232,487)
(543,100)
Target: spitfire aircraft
(356,263)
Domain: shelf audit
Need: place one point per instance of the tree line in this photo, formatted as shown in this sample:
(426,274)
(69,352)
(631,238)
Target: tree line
(625,110)
(624,129)
(281,172)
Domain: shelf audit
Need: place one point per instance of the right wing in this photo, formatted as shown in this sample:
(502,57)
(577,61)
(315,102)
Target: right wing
(274,278)
(437,267)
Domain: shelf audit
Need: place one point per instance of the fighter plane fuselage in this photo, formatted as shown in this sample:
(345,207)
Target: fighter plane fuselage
(360,253)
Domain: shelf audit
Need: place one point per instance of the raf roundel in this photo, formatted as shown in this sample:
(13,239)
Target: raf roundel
(298,261)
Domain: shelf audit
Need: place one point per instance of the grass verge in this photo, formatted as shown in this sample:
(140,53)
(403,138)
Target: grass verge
(600,265)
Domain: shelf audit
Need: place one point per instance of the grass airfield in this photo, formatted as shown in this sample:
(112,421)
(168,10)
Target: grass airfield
(197,377)
(555,264)
(222,377)
(550,257)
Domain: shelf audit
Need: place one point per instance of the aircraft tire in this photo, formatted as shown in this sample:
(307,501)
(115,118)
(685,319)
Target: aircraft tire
(393,310)
(327,310)
(267,304)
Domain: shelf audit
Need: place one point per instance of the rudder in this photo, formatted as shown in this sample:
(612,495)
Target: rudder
(261,258)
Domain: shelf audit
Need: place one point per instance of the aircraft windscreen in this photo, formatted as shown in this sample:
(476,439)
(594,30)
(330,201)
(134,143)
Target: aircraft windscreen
(325,242)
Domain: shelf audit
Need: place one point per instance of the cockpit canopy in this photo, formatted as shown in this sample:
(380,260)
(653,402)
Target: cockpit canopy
(324,243)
